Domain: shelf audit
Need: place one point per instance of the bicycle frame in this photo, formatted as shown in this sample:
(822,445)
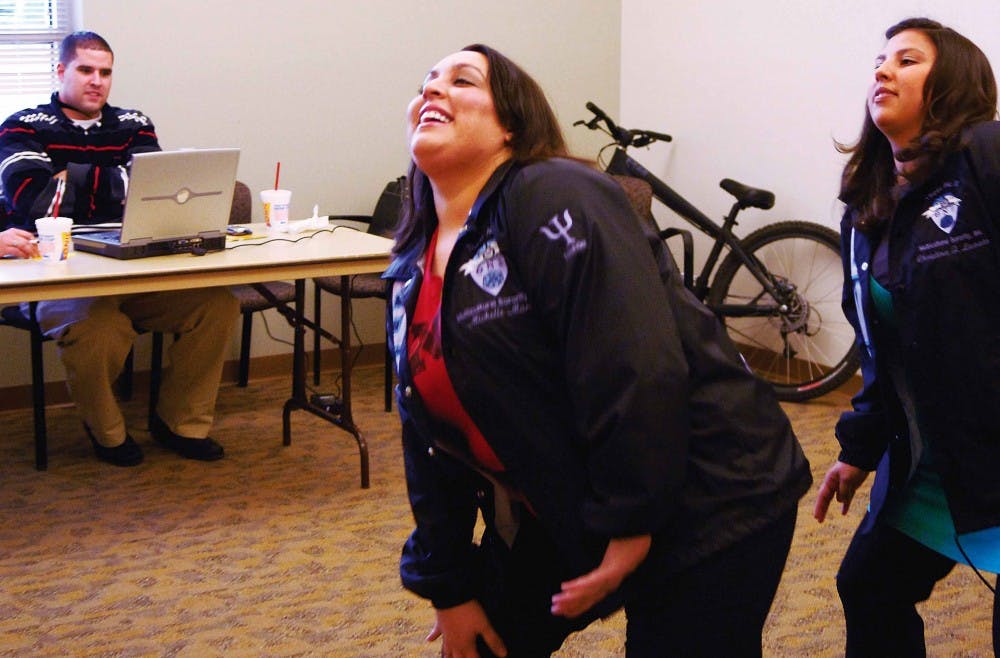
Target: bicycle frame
(625,165)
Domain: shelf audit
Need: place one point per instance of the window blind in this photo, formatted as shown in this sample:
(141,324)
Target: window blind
(30,32)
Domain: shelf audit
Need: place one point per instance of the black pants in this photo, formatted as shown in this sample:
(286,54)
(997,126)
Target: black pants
(516,592)
(882,577)
(715,608)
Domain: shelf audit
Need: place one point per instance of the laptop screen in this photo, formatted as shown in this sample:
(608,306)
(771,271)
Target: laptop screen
(179,193)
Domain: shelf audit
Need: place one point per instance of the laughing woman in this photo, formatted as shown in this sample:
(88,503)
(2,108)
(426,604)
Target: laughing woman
(556,376)
(921,241)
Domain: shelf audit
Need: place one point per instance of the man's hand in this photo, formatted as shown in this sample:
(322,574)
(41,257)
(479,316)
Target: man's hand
(18,243)
(842,480)
(621,558)
(458,628)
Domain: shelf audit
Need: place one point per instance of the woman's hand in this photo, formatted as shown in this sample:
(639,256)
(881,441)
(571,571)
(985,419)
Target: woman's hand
(621,558)
(458,628)
(841,480)
(15,242)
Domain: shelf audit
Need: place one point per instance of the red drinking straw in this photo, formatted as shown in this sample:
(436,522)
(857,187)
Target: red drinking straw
(58,200)
(277,174)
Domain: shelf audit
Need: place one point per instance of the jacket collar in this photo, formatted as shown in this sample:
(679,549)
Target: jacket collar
(108,114)
(492,186)
(407,263)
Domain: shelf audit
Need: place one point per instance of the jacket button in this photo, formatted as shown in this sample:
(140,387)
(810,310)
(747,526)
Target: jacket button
(480,494)
(430,451)
(408,392)
(864,267)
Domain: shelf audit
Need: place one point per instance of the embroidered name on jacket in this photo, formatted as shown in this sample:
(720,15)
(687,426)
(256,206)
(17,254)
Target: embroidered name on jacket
(505,306)
(558,229)
(488,268)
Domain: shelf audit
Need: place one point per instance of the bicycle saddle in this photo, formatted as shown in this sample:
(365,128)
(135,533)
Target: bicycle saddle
(748,197)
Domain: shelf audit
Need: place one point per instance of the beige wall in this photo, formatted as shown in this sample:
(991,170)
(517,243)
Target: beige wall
(759,91)
(322,86)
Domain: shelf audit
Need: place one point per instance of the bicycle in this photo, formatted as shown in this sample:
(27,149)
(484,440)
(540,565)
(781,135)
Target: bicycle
(778,290)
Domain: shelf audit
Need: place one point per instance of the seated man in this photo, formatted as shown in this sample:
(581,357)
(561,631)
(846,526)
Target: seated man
(80,147)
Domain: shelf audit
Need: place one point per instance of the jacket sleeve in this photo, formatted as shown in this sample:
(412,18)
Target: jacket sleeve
(863,432)
(590,274)
(438,559)
(983,153)
(25,172)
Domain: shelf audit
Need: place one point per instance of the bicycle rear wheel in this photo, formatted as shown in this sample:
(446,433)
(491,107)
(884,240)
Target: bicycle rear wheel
(801,344)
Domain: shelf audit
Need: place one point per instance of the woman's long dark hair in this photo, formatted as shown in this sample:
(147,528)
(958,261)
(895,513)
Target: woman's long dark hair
(960,91)
(521,108)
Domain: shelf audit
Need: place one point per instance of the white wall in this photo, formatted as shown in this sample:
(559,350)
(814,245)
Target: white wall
(758,91)
(322,86)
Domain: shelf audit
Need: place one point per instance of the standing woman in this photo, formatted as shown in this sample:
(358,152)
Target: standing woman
(921,241)
(556,377)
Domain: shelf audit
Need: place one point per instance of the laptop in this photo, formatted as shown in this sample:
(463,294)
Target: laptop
(177,202)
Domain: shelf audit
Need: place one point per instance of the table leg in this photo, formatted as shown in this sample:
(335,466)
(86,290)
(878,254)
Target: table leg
(300,398)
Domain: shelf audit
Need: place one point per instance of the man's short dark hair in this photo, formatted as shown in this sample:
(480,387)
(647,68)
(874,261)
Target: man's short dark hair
(82,39)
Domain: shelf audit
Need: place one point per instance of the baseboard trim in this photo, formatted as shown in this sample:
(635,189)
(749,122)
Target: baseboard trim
(261,367)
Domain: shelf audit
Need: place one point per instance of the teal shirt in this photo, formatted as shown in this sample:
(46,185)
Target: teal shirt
(922,511)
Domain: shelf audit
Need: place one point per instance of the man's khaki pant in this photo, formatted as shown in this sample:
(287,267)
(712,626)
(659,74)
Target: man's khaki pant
(95,334)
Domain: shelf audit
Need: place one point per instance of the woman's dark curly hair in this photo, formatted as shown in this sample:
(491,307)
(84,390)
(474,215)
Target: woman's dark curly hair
(960,91)
(521,108)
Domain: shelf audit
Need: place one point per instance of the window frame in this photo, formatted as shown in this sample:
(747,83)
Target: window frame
(26,46)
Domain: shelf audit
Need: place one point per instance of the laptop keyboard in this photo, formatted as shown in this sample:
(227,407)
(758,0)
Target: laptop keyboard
(104,236)
(100,230)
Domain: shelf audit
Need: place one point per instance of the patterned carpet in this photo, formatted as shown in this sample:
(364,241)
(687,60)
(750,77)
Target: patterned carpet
(277,551)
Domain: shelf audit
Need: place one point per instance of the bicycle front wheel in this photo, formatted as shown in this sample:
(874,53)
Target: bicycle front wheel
(801,343)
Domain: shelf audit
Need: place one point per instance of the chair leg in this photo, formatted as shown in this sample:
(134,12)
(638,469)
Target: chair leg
(155,372)
(38,398)
(317,308)
(125,382)
(244,375)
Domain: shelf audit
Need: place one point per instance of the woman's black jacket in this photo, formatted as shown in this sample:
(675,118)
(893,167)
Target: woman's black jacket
(615,399)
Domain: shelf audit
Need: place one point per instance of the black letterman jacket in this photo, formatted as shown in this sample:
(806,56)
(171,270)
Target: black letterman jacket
(609,424)
(37,143)
(944,264)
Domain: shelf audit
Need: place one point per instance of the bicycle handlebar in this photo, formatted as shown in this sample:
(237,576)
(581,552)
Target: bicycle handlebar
(599,113)
(623,136)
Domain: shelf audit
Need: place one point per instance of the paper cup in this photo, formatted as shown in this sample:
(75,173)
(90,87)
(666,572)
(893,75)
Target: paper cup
(54,239)
(276,203)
